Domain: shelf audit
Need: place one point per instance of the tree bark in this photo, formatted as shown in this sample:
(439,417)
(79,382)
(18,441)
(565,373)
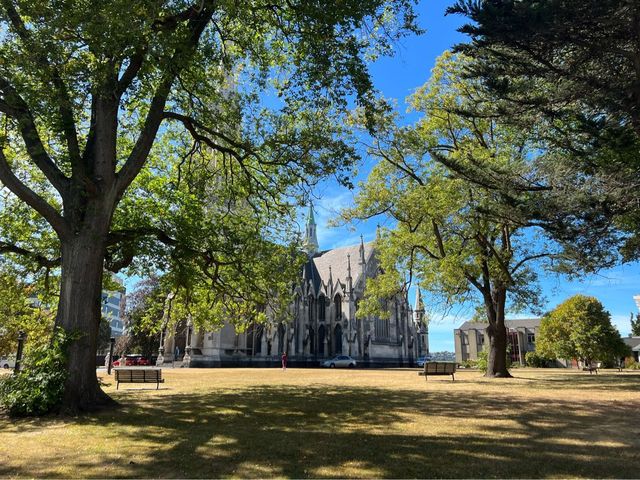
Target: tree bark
(79,312)
(497,332)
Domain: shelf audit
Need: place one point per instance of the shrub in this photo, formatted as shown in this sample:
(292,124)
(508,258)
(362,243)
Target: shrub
(469,364)
(534,359)
(483,358)
(631,364)
(38,387)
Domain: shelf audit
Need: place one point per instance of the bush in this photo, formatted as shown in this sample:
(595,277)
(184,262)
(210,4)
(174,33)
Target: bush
(483,358)
(469,364)
(631,364)
(38,387)
(534,359)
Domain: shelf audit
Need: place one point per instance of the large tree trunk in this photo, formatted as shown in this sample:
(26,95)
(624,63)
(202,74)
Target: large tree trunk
(79,313)
(497,332)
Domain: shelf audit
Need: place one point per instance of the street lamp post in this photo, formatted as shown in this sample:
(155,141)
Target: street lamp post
(21,338)
(186,360)
(112,342)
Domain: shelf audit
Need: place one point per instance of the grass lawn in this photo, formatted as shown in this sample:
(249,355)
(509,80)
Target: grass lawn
(342,423)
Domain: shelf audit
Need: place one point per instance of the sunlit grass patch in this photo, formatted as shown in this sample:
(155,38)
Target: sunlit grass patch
(323,423)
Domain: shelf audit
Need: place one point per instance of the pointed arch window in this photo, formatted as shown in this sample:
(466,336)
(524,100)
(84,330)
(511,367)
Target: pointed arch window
(322,310)
(338,301)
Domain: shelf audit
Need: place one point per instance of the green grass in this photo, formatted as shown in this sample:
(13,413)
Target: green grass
(327,423)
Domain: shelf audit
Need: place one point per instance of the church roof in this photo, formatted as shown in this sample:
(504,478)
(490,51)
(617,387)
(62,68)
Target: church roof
(333,263)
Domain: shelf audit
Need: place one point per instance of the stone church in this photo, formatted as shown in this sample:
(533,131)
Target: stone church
(323,320)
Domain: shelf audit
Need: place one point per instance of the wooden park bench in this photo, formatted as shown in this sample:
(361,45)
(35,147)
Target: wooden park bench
(593,367)
(439,368)
(138,375)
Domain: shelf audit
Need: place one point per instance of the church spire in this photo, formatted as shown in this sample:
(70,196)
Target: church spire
(419,306)
(349,279)
(310,237)
(418,309)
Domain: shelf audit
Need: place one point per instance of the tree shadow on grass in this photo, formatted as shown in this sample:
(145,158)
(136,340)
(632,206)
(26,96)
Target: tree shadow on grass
(605,380)
(329,431)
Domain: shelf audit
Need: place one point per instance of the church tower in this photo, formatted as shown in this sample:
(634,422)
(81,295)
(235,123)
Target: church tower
(422,327)
(310,237)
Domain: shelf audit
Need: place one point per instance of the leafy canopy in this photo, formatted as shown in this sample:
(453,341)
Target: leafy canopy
(567,70)
(201,123)
(579,328)
(460,238)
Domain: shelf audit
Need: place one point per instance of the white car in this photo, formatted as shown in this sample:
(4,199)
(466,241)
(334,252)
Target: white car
(8,362)
(340,361)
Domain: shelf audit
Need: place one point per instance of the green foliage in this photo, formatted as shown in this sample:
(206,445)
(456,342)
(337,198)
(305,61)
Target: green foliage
(482,362)
(536,360)
(21,309)
(178,137)
(38,387)
(580,328)
(470,364)
(463,241)
(549,65)
(635,325)
(631,364)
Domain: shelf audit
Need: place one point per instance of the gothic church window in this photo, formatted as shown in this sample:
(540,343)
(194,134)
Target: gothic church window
(338,301)
(381,328)
(321,308)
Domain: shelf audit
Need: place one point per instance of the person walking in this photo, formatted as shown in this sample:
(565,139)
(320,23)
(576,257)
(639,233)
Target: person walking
(284,361)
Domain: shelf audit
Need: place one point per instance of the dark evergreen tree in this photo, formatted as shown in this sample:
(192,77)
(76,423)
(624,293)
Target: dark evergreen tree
(568,69)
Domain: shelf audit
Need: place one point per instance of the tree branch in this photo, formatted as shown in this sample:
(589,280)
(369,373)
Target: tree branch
(39,259)
(31,198)
(15,107)
(182,54)
(65,106)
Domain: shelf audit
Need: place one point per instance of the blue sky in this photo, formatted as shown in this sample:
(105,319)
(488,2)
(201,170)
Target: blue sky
(398,77)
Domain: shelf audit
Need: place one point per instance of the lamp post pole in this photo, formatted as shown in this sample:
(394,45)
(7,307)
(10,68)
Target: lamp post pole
(186,361)
(21,338)
(112,342)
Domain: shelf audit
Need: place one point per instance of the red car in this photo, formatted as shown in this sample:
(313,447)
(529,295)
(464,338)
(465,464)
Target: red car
(134,360)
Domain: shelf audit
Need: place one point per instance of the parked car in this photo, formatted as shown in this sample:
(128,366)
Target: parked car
(423,359)
(8,361)
(340,361)
(143,362)
(133,360)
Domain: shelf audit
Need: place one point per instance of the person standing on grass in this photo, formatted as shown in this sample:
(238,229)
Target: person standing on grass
(284,361)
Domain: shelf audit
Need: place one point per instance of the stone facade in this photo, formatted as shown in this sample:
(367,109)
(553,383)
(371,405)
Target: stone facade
(323,320)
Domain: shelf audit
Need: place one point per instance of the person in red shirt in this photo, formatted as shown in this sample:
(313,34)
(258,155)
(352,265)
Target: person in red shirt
(284,361)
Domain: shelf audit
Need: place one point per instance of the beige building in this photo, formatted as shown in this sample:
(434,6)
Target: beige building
(472,337)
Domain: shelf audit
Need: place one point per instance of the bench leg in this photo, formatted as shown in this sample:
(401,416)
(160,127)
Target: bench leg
(117,385)
(453,378)
(157,385)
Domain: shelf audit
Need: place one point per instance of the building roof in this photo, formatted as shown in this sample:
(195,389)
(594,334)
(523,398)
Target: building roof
(332,264)
(633,342)
(519,323)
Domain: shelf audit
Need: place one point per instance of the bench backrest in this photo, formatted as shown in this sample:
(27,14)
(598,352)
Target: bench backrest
(444,368)
(138,375)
